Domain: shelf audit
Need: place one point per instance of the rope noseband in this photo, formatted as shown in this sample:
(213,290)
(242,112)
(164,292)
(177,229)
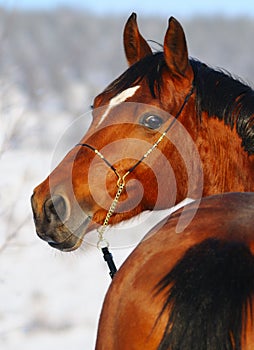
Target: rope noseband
(102,243)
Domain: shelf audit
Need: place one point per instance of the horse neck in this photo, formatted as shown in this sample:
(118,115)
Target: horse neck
(227,167)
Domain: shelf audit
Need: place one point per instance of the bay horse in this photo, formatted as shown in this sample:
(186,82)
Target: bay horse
(188,291)
(209,149)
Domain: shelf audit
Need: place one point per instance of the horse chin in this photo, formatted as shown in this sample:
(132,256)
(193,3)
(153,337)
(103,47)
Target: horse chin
(68,245)
(72,238)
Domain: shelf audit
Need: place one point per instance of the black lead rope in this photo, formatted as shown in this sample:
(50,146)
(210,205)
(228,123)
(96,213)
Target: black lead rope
(109,260)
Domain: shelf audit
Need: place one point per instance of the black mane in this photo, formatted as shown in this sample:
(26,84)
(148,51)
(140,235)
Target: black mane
(217,93)
(207,296)
(226,98)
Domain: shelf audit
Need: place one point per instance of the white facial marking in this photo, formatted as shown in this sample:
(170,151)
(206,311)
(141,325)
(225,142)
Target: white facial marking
(123,96)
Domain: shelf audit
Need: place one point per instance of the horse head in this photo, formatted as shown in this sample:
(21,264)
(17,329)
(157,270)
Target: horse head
(129,117)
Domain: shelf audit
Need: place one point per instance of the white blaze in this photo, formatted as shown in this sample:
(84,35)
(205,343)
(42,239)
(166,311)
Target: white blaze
(123,96)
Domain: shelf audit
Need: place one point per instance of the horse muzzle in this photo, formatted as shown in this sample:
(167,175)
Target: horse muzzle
(53,224)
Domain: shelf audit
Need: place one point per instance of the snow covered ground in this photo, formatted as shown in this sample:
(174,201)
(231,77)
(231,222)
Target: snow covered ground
(49,300)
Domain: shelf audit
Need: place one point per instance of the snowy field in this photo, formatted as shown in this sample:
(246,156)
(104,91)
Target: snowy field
(49,300)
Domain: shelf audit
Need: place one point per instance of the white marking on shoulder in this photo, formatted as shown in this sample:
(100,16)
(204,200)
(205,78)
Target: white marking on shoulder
(123,96)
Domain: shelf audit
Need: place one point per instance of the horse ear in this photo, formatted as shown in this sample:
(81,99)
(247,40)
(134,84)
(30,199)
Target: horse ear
(135,45)
(175,49)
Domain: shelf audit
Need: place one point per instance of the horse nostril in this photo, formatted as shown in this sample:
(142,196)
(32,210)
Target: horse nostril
(56,208)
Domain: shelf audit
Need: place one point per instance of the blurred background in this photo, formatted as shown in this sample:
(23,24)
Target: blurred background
(55,57)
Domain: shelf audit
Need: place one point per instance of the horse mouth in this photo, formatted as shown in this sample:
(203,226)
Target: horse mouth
(69,244)
(74,240)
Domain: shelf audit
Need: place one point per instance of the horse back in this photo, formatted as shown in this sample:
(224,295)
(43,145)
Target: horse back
(192,290)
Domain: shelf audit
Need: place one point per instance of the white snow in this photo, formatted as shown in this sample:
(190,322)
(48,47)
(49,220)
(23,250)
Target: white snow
(49,300)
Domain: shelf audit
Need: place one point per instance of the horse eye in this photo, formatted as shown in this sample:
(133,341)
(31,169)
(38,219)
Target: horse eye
(152,121)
